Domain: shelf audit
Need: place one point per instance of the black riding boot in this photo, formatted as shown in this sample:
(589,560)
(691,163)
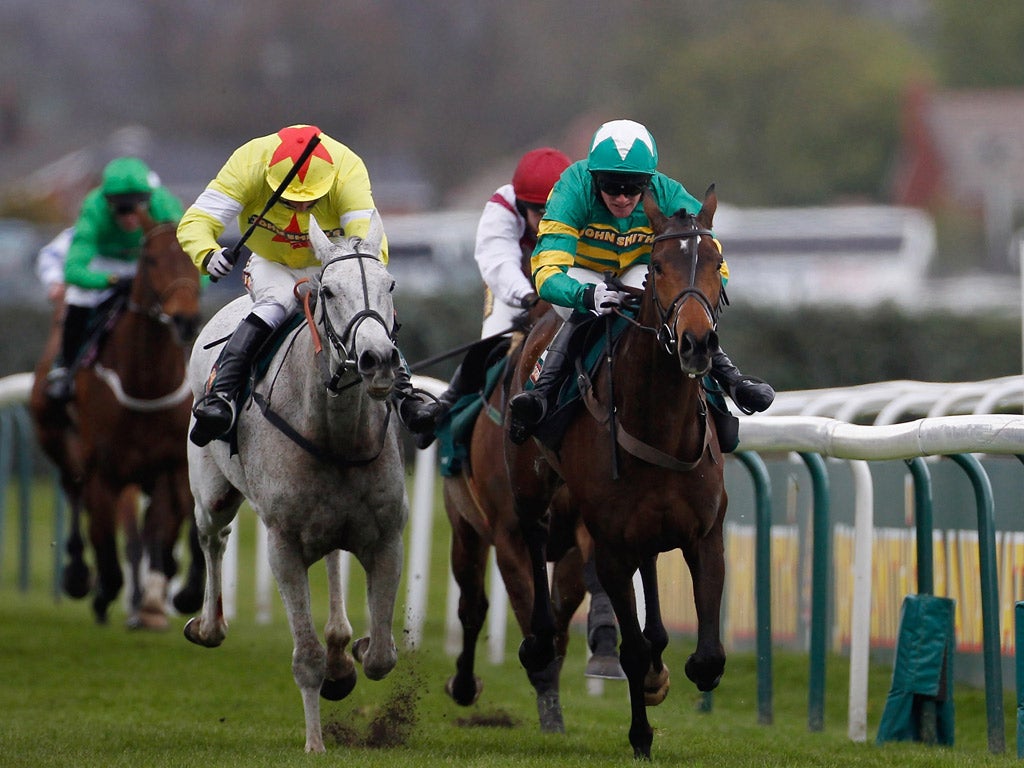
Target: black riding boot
(417,411)
(215,411)
(748,392)
(528,409)
(60,379)
(457,387)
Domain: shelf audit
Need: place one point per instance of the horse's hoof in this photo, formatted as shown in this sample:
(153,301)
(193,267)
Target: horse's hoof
(336,690)
(604,667)
(656,685)
(460,695)
(705,675)
(156,621)
(191,631)
(75,580)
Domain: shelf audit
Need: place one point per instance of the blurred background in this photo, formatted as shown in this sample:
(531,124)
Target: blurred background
(868,154)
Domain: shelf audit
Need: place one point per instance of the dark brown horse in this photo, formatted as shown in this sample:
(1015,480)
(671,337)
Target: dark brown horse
(478,501)
(660,487)
(124,432)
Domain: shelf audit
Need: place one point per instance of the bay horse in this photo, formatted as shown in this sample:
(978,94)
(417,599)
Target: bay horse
(119,444)
(659,485)
(320,461)
(478,502)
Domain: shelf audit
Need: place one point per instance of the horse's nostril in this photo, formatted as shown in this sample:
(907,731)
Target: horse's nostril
(368,361)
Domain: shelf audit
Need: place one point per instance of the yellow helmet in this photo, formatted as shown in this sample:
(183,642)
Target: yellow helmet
(317,174)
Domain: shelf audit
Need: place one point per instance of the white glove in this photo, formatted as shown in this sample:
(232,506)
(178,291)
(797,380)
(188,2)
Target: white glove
(219,264)
(605,299)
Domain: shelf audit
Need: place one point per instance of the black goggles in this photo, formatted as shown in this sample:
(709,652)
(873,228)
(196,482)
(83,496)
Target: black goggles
(629,186)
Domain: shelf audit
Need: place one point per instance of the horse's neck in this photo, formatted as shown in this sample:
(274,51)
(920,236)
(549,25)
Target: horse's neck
(655,399)
(348,421)
(144,355)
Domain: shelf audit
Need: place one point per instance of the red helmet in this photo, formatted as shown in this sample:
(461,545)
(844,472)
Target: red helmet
(536,174)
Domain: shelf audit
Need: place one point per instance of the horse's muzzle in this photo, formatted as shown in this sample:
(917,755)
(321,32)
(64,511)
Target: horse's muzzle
(695,354)
(378,372)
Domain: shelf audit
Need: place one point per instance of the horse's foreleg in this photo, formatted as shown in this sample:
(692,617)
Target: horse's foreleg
(378,653)
(101,502)
(615,570)
(189,598)
(341,669)
(127,514)
(657,680)
(537,651)
(706,560)
(75,578)
(309,660)
(469,564)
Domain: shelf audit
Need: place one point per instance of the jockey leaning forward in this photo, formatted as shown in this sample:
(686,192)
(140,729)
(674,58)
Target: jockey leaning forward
(506,234)
(104,253)
(594,223)
(334,186)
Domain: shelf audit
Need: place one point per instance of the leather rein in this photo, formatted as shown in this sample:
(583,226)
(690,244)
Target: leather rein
(344,345)
(666,337)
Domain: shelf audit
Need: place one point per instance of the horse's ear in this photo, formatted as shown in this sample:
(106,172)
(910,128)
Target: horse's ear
(320,242)
(707,211)
(654,214)
(371,243)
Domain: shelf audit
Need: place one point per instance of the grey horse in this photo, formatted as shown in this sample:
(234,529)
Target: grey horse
(319,459)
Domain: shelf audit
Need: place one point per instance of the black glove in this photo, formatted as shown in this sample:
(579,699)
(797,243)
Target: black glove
(529,301)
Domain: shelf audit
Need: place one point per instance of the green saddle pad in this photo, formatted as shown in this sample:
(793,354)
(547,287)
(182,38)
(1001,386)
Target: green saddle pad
(456,427)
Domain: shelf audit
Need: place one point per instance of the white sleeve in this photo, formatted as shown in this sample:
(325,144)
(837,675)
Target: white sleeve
(50,261)
(499,256)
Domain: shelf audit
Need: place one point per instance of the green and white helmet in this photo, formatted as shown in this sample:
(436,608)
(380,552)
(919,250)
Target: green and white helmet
(623,146)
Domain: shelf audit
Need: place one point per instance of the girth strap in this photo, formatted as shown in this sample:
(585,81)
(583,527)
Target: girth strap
(638,448)
(327,457)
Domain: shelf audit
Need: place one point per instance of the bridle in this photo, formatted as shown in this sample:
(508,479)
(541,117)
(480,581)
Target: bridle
(667,316)
(344,343)
(154,310)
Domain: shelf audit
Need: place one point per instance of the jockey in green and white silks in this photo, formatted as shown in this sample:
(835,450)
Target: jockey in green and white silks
(594,224)
(104,252)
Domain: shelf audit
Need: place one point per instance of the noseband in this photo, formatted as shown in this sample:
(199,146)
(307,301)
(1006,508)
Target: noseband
(667,316)
(344,343)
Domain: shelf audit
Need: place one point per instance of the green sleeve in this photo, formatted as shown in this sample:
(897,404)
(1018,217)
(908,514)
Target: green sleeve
(85,245)
(564,291)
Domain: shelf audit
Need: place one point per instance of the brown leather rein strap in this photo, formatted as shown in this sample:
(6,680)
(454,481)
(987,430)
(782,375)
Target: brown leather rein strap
(638,448)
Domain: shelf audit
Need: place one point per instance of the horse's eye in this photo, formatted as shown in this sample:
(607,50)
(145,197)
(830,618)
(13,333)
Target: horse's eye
(391,289)
(656,266)
(326,292)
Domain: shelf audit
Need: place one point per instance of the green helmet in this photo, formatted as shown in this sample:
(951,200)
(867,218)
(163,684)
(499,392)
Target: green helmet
(127,176)
(623,146)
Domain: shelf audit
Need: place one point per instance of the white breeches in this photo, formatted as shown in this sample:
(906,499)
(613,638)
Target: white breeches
(272,288)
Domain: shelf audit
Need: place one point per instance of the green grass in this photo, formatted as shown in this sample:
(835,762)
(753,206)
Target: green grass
(73,693)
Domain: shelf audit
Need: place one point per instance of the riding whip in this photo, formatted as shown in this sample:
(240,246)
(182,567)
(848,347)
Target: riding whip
(232,254)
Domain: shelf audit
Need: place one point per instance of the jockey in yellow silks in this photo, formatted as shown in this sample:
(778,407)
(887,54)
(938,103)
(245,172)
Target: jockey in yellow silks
(333,185)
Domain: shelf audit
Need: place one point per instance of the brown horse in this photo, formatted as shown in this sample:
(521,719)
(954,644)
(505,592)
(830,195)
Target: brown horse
(124,433)
(478,501)
(648,477)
